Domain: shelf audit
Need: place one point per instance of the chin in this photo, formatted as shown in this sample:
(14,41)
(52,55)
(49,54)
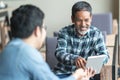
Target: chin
(42,46)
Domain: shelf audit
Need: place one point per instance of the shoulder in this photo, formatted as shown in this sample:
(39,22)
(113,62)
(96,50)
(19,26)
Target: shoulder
(93,28)
(28,52)
(67,30)
(94,31)
(22,50)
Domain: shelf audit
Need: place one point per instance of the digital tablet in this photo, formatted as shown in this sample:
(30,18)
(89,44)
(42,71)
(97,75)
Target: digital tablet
(96,62)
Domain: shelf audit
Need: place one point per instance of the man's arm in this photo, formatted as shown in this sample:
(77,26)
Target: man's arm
(100,47)
(36,68)
(61,51)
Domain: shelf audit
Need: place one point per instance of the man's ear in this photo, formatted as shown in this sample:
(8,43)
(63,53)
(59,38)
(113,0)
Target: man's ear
(72,19)
(91,17)
(37,31)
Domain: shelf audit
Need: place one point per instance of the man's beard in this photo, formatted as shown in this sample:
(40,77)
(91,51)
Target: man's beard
(82,32)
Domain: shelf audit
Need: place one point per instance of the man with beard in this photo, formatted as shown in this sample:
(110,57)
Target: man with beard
(20,59)
(78,41)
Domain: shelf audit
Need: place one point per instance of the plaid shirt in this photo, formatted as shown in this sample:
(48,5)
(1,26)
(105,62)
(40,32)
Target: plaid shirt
(71,46)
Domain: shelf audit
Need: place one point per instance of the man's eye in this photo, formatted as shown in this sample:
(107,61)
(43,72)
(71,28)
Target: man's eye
(78,20)
(86,20)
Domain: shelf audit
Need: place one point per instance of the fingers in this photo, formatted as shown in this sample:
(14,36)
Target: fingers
(80,63)
(84,74)
(77,64)
(90,72)
(84,61)
(79,74)
(93,73)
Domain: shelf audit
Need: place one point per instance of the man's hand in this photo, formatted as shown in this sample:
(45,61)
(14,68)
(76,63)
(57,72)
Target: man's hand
(90,73)
(80,62)
(81,74)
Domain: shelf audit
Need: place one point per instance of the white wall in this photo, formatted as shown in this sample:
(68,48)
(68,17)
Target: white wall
(58,12)
(119,24)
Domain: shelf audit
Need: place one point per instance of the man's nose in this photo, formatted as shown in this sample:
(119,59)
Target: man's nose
(83,23)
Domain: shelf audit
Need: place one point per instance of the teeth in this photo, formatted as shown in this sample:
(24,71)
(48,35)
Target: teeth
(83,28)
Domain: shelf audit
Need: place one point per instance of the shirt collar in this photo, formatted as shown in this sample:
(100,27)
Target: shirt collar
(86,35)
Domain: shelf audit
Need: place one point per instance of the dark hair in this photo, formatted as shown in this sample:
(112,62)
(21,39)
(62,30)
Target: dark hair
(25,19)
(81,6)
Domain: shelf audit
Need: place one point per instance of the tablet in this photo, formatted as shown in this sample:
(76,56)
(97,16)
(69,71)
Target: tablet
(96,62)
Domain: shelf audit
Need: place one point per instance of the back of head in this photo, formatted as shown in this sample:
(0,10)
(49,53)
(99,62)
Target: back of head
(81,6)
(24,20)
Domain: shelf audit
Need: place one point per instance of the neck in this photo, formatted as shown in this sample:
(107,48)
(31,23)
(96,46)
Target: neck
(30,42)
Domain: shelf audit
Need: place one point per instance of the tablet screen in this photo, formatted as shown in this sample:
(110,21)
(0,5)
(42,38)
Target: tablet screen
(96,62)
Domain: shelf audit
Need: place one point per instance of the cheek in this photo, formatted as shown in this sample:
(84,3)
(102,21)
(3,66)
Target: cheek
(77,24)
(88,23)
(44,35)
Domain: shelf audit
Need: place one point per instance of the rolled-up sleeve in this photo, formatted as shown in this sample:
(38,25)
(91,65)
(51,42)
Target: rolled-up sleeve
(61,51)
(100,47)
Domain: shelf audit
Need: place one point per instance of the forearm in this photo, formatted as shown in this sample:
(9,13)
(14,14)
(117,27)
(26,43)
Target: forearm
(66,58)
(102,50)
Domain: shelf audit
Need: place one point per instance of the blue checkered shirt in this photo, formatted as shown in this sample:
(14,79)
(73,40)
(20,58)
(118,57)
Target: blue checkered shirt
(71,46)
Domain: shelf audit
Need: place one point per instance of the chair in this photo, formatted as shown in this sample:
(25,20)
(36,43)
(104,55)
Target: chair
(51,43)
(119,55)
(55,34)
(103,22)
(115,58)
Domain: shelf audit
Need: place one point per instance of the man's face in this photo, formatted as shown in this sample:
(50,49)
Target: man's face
(82,21)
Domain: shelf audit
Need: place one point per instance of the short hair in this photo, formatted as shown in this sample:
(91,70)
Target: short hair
(25,19)
(81,6)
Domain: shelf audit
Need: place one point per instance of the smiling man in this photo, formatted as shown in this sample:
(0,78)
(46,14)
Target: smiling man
(78,41)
